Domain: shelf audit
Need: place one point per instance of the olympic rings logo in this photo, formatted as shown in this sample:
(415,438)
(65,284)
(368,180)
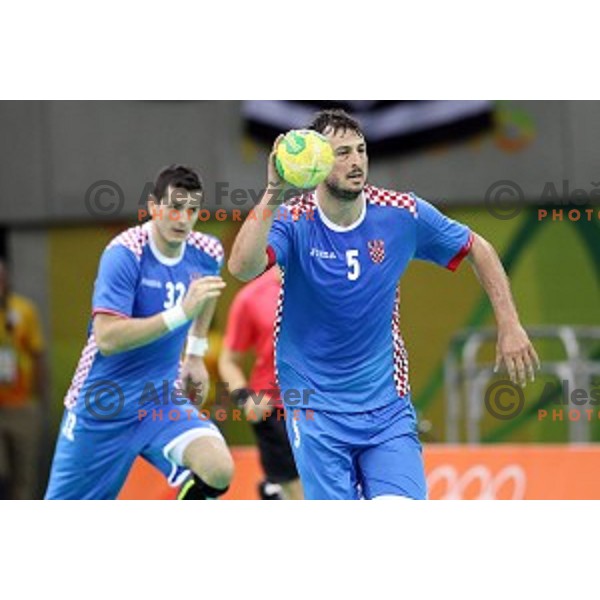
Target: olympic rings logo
(477,483)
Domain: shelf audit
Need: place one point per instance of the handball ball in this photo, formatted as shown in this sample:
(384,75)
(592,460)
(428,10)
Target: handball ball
(304,158)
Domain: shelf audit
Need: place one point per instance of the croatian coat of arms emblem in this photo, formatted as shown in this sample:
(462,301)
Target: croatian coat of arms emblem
(376,251)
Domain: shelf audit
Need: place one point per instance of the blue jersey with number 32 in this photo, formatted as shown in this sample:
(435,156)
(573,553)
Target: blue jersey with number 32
(338,340)
(136,280)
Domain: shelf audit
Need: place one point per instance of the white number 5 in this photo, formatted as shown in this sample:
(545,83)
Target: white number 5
(353,264)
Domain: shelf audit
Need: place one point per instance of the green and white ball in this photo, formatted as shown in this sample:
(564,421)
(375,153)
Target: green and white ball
(304,158)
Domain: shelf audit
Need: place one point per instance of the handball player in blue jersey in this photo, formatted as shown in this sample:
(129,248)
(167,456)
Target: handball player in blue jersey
(339,353)
(132,394)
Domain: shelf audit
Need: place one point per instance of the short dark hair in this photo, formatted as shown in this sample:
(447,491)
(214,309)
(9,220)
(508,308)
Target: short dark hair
(337,119)
(177,176)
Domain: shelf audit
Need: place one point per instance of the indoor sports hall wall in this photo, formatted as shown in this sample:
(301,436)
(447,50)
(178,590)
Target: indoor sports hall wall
(52,152)
(554,270)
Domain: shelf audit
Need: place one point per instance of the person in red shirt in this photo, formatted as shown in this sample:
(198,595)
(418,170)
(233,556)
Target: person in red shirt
(250,329)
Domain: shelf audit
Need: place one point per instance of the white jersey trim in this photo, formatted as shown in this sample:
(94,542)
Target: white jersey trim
(160,257)
(339,228)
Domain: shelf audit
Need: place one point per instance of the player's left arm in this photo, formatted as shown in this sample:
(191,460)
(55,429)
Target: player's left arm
(446,242)
(194,374)
(514,347)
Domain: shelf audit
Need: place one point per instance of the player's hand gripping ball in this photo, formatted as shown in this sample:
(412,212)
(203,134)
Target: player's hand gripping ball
(304,158)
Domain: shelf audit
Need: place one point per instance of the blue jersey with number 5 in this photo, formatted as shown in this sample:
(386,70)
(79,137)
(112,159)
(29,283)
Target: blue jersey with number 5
(135,281)
(339,346)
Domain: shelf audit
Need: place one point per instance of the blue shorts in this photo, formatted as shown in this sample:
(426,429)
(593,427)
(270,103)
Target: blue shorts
(93,456)
(348,456)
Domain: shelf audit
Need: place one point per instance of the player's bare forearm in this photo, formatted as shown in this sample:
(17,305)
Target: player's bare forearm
(231,372)
(514,347)
(118,334)
(202,322)
(194,374)
(494,281)
(248,256)
(230,369)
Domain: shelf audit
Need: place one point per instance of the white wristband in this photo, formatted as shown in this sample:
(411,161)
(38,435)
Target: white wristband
(196,346)
(174,317)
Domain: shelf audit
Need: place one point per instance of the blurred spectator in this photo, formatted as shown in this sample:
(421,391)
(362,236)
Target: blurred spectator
(21,377)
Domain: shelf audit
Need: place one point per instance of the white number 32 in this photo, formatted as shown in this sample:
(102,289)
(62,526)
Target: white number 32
(353,264)
(172,289)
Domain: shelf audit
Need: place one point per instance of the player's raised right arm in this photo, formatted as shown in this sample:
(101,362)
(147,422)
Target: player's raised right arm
(248,256)
(115,333)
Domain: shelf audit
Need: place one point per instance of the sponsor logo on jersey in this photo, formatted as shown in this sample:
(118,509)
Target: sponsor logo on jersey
(322,254)
(153,283)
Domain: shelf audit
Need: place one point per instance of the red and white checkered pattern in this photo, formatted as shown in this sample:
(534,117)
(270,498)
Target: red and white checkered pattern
(383,197)
(400,353)
(83,370)
(376,251)
(212,246)
(301,205)
(277,325)
(134,239)
(304,203)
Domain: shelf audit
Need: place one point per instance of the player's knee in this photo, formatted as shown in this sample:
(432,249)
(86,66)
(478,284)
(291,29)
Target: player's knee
(210,460)
(220,472)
